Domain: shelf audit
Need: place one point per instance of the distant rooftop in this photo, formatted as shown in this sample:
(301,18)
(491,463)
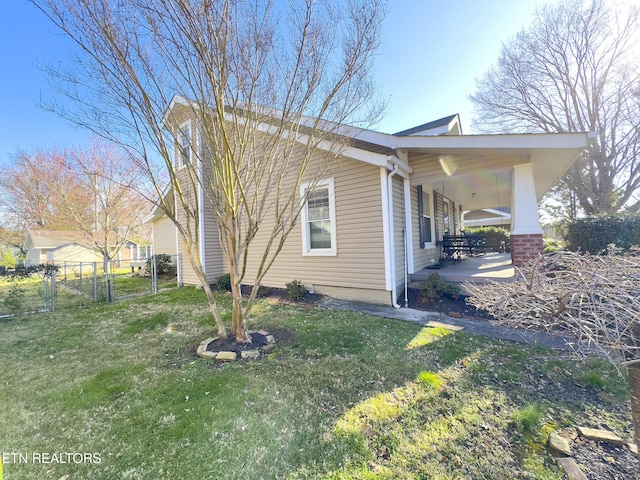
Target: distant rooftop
(436,127)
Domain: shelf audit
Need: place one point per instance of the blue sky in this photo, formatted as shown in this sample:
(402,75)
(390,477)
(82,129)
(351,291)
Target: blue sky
(432,52)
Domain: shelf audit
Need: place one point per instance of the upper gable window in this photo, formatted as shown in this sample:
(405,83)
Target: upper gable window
(184,151)
(319,219)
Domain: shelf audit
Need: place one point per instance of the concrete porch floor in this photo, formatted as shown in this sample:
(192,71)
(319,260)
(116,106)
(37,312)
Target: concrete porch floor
(491,266)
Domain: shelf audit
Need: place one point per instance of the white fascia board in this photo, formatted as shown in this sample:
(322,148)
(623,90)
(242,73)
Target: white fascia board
(372,158)
(376,138)
(498,213)
(176,100)
(149,218)
(533,141)
(430,132)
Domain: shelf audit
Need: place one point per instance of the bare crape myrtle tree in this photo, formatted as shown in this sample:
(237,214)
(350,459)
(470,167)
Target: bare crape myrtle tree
(269,88)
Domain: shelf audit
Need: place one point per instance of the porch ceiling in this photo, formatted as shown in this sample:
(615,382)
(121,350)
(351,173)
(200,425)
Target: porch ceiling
(479,178)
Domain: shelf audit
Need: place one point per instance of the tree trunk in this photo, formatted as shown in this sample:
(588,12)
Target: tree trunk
(238,322)
(634,387)
(213,306)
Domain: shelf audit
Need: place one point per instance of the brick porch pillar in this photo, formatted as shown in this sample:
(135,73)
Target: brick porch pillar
(525,248)
(526,233)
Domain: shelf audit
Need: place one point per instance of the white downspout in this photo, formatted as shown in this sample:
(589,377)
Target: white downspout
(406,273)
(392,247)
(408,240)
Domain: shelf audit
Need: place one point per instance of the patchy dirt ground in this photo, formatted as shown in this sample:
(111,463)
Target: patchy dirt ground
(598,460)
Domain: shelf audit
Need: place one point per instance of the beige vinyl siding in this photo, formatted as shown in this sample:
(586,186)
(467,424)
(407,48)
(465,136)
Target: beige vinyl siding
(426,168)
(190,192)
(189,276)
(454,225)
(212,258)
(180,115)
(359,263)
(358,268)
(214,263)
(422,257)
(439,216)
(164,236)
(398,230)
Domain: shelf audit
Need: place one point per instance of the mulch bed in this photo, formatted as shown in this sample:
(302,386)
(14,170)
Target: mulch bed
(230,344)
(602,460)
(280,295)
(283,338)
(449,306)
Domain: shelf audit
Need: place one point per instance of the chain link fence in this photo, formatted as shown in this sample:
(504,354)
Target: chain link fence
(76,283)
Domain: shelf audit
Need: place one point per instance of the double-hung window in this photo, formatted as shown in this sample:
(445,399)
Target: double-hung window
(318,219)
(424,216)
(184,153)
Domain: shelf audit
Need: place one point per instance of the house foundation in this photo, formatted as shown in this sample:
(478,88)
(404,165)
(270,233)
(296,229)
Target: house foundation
(525,247)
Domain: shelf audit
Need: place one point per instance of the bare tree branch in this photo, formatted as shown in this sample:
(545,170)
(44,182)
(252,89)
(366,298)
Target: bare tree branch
(576,68)
(595,299)
(268,86)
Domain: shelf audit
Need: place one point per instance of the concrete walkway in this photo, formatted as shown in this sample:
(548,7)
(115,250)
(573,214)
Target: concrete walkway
(469,325)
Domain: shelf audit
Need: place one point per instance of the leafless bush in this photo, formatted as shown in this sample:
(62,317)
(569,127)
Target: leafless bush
(594,298)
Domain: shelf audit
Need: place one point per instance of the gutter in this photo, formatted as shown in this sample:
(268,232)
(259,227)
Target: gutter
(392,266)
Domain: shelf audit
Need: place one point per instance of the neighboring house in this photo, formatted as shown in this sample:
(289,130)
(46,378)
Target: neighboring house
(133,252)
(57,247)
(164,236)
(487,217)
(389,203)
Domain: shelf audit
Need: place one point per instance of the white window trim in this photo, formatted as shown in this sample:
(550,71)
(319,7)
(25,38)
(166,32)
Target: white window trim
(178,144)
(449,215)
(432,243)
(306,238)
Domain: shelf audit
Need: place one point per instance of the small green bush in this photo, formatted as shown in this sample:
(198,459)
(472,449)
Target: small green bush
(434,288)
(296,290)
(488,230)
(163,263)
(223,283)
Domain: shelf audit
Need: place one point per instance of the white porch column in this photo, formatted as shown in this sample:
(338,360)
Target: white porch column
(524,217)
(526,232)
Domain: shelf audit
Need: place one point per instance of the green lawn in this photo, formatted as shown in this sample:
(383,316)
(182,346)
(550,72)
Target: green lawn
(351,396)
(124,284)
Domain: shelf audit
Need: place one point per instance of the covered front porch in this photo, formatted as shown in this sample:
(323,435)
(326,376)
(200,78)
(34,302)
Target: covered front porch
(453,174)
